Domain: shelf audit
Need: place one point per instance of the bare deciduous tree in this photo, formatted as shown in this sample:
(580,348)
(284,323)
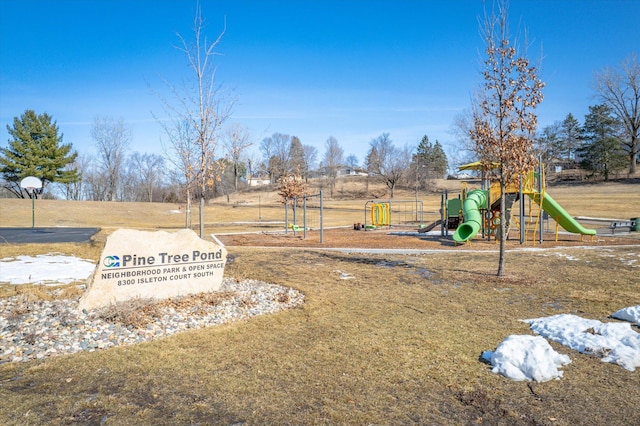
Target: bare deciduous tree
(387,162)
(255,167)
(181,137)
(202,106)
(275,153)
(310,158)
(549,144)
(94,181)
(237,141)
(76,190)
(465,150)
(620,90)
(112,138)
(148,170)
(333,159)
(504,119)
(352,161)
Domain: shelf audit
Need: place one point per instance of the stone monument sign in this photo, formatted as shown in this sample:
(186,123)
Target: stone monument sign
(157,265)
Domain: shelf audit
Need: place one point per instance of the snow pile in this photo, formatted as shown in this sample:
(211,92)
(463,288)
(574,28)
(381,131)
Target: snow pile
(526,358)
(631,314)
(613,342)
(532,358)
(51,269)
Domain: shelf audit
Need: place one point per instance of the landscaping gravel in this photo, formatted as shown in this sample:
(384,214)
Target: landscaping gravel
(40,329)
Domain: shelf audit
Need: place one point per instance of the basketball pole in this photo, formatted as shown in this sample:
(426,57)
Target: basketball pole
(32,184)
(33,210)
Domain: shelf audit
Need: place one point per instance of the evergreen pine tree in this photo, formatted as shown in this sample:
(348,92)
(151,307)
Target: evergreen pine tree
(570,135)
(36,149)
(429,160)
(439,162)
(296,157)
(422,161)
(602,151)
(373,161)
(549,144)
(424,151)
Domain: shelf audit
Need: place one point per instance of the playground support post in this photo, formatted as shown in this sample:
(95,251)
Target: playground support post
(442,213)
(445,209)
(521,221)
(541,189)
(487,213)
(304,218)
(321,218)
(295,205)
(286,215)
(304,215)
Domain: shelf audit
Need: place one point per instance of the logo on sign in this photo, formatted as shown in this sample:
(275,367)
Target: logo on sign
(111,261)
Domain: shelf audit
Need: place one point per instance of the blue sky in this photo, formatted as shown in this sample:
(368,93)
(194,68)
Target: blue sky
(313,69)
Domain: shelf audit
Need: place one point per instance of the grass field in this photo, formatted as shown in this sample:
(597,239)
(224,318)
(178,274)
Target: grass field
(398,344)
(261,210)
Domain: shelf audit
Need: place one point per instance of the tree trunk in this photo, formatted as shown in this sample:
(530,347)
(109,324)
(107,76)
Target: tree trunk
(503,227)
(202,216)
(187,222)
(634,158)
(235,177)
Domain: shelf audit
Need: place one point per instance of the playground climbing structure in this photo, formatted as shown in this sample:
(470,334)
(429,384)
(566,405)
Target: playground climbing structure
(478,211)
(379,213)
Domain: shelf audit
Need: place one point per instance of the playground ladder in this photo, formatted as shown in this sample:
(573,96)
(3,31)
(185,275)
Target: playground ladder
(533,226)
(509,200)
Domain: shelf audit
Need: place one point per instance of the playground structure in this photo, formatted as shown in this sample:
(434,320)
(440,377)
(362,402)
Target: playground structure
(379,213)
(478,211)
(312,214)
(474,212)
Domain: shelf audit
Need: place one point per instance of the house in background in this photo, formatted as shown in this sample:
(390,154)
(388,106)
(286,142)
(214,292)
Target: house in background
(351,171)
(258,181)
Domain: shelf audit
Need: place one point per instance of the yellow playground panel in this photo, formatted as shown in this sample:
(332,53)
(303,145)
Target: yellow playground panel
(380,214)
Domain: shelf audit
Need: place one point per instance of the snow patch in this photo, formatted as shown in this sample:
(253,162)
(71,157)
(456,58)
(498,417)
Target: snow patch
(616,342)
(528,358)
(631,314)
(48,269)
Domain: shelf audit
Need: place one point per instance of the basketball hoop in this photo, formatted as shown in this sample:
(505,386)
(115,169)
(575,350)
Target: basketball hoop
(32,184)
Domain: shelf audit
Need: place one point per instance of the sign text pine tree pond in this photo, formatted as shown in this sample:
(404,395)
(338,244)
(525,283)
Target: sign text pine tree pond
(154,265)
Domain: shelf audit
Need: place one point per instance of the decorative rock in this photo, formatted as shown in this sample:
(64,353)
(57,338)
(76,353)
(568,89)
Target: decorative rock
(30,333)
(158,265)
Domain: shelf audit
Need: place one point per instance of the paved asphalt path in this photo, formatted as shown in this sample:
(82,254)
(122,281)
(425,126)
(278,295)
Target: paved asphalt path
(46,235)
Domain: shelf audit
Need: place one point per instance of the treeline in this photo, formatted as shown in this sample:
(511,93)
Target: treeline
(598,145)
(205,159)
(115,174)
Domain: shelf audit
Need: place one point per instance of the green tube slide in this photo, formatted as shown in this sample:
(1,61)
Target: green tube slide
(560,215)
(475,201)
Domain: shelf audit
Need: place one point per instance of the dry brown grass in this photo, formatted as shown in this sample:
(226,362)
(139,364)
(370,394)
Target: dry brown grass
(397,344)
(140,312)
(260,211)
